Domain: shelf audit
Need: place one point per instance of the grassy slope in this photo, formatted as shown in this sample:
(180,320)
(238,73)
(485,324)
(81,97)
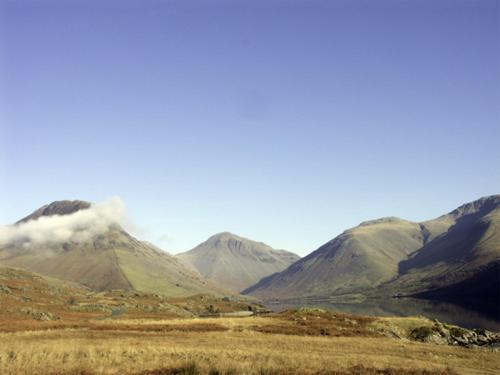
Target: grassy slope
(149,269)
(70,304)
(80,263)
(157,273)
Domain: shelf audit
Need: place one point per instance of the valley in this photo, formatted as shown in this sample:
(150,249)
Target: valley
(79,295)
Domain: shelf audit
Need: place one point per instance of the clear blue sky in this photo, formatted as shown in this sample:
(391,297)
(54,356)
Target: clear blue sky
(283,121)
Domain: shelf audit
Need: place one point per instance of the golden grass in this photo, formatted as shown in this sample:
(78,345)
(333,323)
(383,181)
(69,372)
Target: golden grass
(237,347)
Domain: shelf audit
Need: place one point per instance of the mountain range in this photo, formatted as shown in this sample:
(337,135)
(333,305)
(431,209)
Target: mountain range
(456,255)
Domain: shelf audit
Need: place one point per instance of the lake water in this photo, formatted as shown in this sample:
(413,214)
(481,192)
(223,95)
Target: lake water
(475,315)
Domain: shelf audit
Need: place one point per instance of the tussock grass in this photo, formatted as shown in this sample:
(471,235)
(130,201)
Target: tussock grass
(193,369)
(318,322)
(193,327)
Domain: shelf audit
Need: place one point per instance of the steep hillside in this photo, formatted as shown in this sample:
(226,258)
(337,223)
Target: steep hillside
(359,258)
(394,256)
(103,257)
(235,262)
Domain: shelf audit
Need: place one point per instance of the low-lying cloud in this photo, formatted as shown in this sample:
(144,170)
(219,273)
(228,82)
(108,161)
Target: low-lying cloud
(76,227)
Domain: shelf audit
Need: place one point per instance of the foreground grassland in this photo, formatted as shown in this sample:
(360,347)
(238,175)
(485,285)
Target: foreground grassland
(248,345)
(49,327)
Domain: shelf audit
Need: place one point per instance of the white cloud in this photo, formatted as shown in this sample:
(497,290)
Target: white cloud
(76,227)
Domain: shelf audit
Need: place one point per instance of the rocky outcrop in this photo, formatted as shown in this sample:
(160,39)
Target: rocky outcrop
(440,333)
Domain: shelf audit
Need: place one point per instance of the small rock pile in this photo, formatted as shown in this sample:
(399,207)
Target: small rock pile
(440,333)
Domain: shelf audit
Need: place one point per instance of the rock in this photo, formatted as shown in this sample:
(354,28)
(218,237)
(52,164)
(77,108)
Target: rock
(428,334)
(39,315)
(4,289)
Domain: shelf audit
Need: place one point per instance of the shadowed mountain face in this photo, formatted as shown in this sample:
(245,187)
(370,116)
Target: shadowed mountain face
(235,262)
(109,259)
(470,244)
(394,256)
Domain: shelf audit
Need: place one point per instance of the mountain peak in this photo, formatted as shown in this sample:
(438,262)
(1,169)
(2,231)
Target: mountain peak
(228,240)
(482,205)
(63,207)
(224,236)
(388,219)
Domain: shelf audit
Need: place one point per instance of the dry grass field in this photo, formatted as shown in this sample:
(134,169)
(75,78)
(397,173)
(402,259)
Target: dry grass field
(224,345)
(51,328)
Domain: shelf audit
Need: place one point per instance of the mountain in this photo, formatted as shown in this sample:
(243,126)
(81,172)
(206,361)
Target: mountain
(64,207)
(235,262)
(394,256)
(100,255)
(358,259)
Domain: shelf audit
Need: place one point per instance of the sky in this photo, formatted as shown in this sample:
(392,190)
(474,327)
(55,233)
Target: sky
(285,122)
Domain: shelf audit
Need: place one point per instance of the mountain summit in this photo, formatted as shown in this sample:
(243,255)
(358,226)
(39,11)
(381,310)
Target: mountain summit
(235,262)
(64,207)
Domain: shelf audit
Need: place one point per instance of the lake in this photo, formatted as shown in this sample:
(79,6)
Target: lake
(473,315)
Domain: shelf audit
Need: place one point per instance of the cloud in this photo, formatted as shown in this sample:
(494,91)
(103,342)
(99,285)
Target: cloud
(76,227)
